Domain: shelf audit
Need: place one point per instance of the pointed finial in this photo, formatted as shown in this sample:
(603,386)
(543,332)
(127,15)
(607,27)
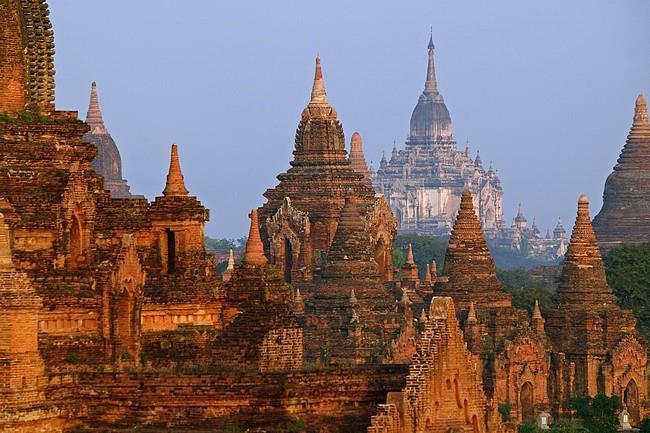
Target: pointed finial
(353,298)
(640,112)
(537,314)
(231,261)
(94,118)
(318,94)
(430,46)
(427,274)
(409,256)
(471,314)
(434,269)
(254,255)
(430,85)
(6,261)
(423,316)
(175,186)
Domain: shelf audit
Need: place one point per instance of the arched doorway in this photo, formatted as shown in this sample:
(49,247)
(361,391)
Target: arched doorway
(124,324)
(288,260)
(171,251)
(527,401)
(631,400)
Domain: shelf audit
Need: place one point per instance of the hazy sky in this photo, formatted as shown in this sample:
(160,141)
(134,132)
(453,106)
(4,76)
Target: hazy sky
(545,89)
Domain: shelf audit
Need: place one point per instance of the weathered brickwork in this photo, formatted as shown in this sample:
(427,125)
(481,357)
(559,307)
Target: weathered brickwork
(300,217)
(443,389)
(625,215)
(26,56)
(330,400)
(601,351)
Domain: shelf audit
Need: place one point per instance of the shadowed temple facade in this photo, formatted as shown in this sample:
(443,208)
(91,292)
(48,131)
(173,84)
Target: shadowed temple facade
(114,317)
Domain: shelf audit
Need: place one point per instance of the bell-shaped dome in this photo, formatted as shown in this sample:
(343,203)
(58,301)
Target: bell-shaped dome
(430,119)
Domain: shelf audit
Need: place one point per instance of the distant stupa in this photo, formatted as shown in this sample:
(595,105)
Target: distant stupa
(108,162)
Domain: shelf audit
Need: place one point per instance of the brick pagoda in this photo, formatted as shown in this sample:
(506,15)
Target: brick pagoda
(625,215)
(300,217)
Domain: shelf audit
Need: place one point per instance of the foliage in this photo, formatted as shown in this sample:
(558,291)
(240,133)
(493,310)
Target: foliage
(598,413)
(560,426)
(564,426)
(425,250)
(644,427)
(504,411)
(224,243)
(628,273)
(526,290)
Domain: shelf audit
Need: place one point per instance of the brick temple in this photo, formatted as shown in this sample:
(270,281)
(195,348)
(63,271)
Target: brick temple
(115,320)
(625,215)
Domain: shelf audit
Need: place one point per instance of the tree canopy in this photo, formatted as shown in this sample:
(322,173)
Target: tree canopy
(628,274)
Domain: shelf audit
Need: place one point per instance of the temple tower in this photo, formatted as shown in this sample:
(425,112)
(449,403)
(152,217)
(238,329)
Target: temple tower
(263,333)
(424,181)
(469,273)
(351,312)
(601,347)
(300,217)
(26,56)
(625,215)
(179,220)
(357,158)
(108,162)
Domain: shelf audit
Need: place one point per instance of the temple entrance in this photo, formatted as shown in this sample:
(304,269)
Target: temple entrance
(171,251)
(288,260)
(527,401)
(124,326)
(631,400)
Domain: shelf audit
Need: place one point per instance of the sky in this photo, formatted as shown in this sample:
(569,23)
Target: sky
(545,90)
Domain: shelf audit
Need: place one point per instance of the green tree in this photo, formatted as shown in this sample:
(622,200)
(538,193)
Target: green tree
(644,427)
(628,274)
(425,250)
(598,413)
(526,290)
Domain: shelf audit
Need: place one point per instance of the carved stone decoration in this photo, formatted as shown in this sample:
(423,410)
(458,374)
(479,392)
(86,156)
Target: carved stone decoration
(522,367)
(628,374)
(381,225)
(78,219)
(26,56)
(288,232)
(443,389)
(127,283)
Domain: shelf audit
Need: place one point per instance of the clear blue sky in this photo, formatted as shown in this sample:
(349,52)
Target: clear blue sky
(545,89)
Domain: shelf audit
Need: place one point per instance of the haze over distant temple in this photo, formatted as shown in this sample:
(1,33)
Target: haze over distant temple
(424,181)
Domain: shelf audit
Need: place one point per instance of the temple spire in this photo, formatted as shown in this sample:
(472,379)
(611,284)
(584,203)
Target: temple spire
(357,158)
(254,255)
(409,256)
(318,94)
(640,112)
(430,85)
(175,186)
(94,118)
